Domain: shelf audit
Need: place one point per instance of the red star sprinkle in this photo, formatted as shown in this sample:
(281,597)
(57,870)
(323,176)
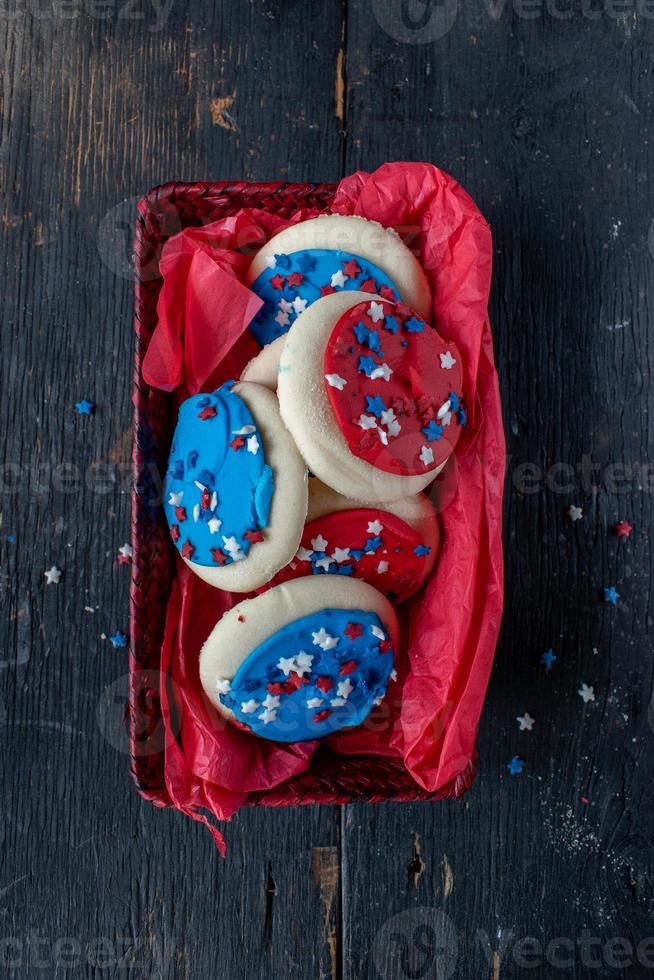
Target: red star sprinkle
(218,556)
(368,286)
(327,290)
(188,550)
(275,688)
(340,348)
(348,668)
(387,293)
(180,514)
(368,438)
(205,499)
(174,532)
(353,630)
(295,279)
(207,413)
(351,269)
(322,715)
(403,311)
(253,536)
(385,646)
(296,681)
(324,684)
(126,560)
(237,443)
(288,687)
(277,282)
(623,529)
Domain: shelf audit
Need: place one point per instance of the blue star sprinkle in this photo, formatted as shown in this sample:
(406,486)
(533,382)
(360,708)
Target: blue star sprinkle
(462,417)
(433,431)
(306,262)
(345,570)
(611,595)
(375,405)
(454,401)
(421,550)
(371,545)
(516,765)
(366,365)
(548,659)
(85,407)
(391,324)
(282,262)
(414,325)
(373,342)
(361,332)
(118,639)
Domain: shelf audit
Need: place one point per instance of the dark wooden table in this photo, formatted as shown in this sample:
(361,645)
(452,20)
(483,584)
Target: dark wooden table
(544,113)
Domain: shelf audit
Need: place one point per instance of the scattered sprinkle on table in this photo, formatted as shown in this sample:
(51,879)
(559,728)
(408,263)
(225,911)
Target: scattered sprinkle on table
(623,529)
(516,765)
(586,693)
(118,639)
(125,553)
(526,722)
(85,407)
(52,575)
(548,659)
(575,513)
(611,595)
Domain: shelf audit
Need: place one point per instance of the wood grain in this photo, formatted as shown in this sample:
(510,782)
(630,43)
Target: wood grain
(544,121)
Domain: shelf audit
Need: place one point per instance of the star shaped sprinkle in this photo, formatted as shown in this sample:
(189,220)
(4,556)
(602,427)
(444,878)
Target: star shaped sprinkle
(271,261)
(85,407)
(444,410)
(367,422)
(180,514)
(218,556)
(249,707)
(338,702)
(447,361)
(368,286)
(381,371)
(376,631)
(188,550)
(375,311)
(421,550)
(271,701)
(175,499)
(338,279)
(174,532)
(232,546)
(296,279)
(285,306)
(348,668)
(361,332)
(375,405)
(315,702)
(118,639)
(282,318)
(433,431)
(303,554)
(344,688)
(253,536)
(366,365)
(382,567)
(52,575)
(324,563)
(299,304)
(125,554)
(303,662)
(319,543)
(223,686)
(214,525)
(237,443)
(245,430)
(353,631)
(526,722)
(323,639)
(253,445)
(341,554)
(548,659)
(277,282)
(267,715)
(322,715)
(351,269)
(326,290)
(324,684)
(336,381)
(387,293)
(611,595)
(209,412)
(623,529)
(426,456)
(575,513)
(375,527)
(286,665)
(586,693)
(516,765)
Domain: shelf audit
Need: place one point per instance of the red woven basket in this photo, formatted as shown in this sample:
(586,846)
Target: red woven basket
(330,778)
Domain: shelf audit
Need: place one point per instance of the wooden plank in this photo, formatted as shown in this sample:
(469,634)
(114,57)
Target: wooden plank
(96,111)
(542,122)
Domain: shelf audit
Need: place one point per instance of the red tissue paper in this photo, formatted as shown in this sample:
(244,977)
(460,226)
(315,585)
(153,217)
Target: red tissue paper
(450,628)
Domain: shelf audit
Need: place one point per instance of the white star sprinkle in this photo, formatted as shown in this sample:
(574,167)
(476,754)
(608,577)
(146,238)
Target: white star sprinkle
(447,361)
(233,548)
(381,371)
(214,525)
(196,513)
(382,567)
(175,499)
(249,707)
(338,702)
(304,554)
(214,500)
(245,430)
(586,693)
(271,261)
(341,554)
(383,436)
(314,702)
(319,543)
(387,416)
(324,563)
(286,665)
(426,456)
(446,418)
(393,674)
(367,422)
(223,686)
(52,575)
(253,445)
(299,304)
(375,311)
(267,716)
(526,722)
(303,661)
(394,428)
(126,551)
(338,279)
(336,381)
(271,701)
(282,318)
(344,688)
(376,631)
(285,305)
(444,409)
(375,527)
(575,513)
(323,639)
